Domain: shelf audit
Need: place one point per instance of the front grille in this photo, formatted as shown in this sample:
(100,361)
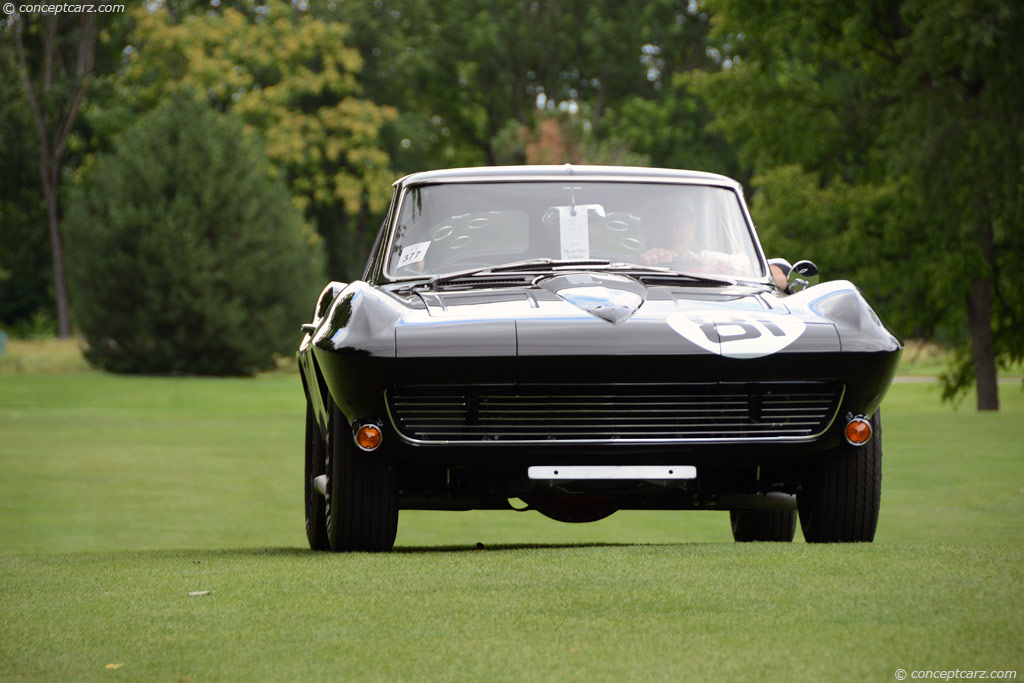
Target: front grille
(609,413)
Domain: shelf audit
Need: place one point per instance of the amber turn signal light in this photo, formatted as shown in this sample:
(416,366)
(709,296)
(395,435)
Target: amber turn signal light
(858,431)
(368,437)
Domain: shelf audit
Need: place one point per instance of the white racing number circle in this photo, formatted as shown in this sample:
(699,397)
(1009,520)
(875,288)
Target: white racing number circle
(737,334)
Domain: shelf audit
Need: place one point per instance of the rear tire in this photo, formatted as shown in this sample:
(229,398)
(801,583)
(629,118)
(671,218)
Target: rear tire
(763,525)
(362,496)
(316,461)
(840,499)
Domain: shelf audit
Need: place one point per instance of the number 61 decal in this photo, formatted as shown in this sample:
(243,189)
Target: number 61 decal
(737,334)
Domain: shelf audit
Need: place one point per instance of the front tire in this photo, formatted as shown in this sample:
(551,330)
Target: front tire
(763,525)
(840,499)
(362,496)
(316,461)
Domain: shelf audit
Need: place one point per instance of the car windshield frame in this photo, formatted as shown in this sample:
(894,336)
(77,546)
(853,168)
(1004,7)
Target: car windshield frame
(387,254)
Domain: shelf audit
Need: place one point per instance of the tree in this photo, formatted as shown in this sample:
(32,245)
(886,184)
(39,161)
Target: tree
(26,280)
(55,60)
(184,255)
(291,79)
(560,138)
(674,131)
(889,136)
(464,73)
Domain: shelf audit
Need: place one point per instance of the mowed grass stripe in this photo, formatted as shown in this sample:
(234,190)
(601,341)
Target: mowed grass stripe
(709,611)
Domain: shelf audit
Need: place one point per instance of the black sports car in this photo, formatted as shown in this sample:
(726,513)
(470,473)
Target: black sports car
(580,340)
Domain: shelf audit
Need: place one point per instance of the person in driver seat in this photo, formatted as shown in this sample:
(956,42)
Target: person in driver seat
(672,224)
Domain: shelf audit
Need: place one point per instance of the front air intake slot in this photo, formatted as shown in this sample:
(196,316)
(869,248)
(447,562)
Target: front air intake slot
(757,411)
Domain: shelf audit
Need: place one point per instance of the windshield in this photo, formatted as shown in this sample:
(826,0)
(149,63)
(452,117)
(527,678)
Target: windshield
(685,228)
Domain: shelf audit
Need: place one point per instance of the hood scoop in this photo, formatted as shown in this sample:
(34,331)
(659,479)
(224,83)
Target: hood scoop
(614,298)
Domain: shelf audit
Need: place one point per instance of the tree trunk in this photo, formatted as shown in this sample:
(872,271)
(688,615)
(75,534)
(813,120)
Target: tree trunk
(362,228)
(595,116)
(54,121)
(979,320)
(49,174)
(979,314)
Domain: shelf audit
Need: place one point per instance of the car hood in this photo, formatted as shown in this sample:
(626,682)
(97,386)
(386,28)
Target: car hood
(609,314)
(533,333)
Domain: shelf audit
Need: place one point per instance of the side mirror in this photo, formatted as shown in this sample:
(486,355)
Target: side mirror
(804,274)
(331,292)
(323,304)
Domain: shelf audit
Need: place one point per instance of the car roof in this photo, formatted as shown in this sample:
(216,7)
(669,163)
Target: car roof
(610,173)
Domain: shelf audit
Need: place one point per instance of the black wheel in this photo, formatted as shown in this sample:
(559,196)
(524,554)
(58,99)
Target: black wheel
(362,500)
(763,525)
(316,505)
(840,498)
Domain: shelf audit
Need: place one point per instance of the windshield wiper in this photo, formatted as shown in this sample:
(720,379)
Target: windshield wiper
(668,273)
(527,264)
(603,264)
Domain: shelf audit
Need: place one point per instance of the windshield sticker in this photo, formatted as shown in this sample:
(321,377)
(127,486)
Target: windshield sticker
(737,334)
(575,232)
(414,253)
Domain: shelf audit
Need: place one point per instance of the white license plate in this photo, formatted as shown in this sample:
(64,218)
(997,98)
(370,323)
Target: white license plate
(612,472)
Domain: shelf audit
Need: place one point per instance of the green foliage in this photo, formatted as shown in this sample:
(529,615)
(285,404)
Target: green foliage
(287,75)
(846,229)
(183,254)
(26,287)
(461,71)
(887,139)
(40,325)
(559,138)
(673,131)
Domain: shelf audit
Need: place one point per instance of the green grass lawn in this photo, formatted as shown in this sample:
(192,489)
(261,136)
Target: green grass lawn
(120,495)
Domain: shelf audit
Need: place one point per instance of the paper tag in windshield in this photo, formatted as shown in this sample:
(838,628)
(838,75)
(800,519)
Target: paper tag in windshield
(575,232)
(414,253)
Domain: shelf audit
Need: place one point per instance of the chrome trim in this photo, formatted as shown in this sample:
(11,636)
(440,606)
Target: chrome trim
(610,472)
(722,181)
(615,442)
(558,172)
(355,432)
